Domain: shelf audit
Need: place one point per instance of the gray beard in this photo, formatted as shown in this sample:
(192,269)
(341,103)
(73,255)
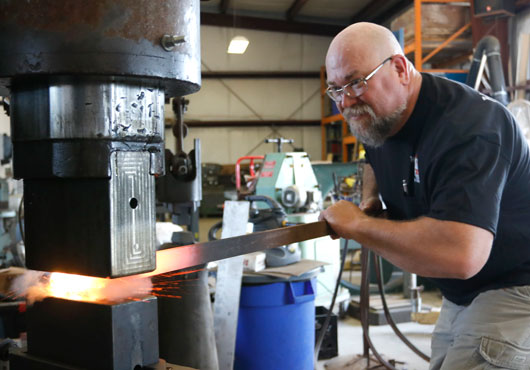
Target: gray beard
(372,131)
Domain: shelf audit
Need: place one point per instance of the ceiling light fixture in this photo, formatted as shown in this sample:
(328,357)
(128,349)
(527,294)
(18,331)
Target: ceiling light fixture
(238,45)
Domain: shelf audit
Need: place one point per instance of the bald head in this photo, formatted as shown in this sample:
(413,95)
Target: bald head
(362,43)
(382,105)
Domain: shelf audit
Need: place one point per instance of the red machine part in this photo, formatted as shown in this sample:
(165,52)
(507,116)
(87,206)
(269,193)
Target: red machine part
(238,168)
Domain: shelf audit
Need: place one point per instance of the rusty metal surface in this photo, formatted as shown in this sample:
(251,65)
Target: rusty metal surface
(196,254)
(103,37)
(92,335)
(135,20)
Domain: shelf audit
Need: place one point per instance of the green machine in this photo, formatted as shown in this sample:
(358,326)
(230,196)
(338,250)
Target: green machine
(289,179)
(301,187)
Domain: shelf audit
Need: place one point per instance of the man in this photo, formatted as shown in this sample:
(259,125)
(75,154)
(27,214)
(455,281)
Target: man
(453,170)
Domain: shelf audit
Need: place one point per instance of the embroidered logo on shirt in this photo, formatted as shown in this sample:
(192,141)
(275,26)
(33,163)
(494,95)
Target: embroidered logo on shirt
(485,97)
(416,170)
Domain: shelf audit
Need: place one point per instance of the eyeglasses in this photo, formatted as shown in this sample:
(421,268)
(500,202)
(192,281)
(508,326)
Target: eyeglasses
(354,88)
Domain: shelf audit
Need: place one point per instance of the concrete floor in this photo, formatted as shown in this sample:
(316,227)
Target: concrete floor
(384,339)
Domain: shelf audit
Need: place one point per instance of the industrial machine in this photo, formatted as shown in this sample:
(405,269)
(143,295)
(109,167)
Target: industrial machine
(180,190)
(272,217)
(87,82)
(11,253)
(289,179)
(185,328)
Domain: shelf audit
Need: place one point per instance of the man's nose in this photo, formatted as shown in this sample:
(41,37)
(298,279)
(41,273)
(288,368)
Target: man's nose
(348,101)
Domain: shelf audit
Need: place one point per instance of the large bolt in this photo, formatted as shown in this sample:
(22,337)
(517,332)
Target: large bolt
(169,42)
(183,170)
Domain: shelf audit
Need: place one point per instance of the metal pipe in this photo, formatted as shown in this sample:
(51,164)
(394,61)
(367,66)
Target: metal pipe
(491,47)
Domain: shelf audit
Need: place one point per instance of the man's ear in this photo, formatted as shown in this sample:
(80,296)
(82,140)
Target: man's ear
(401,66)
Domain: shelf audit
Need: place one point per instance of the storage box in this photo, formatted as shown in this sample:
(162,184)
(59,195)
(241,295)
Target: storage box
(254,261)
(438,22)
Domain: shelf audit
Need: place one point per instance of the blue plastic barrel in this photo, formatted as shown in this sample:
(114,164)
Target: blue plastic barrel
(276,326)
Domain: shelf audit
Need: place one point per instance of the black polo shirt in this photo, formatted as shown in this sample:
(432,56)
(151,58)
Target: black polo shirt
(462,157)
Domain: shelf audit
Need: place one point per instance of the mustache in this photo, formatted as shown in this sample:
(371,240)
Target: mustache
(358,110)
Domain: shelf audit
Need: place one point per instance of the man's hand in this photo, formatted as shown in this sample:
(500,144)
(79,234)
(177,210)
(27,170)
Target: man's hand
(343,217)
(425,246)
(371,206)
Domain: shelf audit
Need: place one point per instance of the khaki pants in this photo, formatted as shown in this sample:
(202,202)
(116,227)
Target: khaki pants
(493,332)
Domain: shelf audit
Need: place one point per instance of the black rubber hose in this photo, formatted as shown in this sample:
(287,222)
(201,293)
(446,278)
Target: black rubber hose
(213,230)
(272,203)
(19,217)
(491,46)
(388,316)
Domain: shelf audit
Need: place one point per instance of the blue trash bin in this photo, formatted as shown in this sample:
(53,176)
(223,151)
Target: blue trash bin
(276,326)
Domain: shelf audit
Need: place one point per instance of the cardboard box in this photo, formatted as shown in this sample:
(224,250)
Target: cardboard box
(438,22)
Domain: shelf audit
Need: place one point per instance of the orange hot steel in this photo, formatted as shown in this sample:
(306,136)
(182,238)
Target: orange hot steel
(37,285)
(87,288)
(168,260)
(76,287)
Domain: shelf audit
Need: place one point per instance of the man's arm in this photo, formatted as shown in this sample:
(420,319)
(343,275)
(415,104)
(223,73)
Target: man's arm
(370,194)
(426,246)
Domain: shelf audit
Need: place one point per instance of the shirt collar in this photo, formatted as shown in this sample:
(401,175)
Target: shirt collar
(411,130)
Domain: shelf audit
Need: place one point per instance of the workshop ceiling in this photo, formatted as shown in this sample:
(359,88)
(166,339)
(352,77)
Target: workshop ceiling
(318,17)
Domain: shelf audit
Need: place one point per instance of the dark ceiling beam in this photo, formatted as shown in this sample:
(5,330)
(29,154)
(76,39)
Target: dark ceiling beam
(372,12)
(266,24)
(392,12)
(260,74)
(253,123)
(295,9)
(369,11)
(223,6)
(521,4)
